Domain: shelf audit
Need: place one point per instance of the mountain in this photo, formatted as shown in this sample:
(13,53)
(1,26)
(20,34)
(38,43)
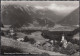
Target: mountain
(71,19)
(12,14)
(17,16)
(50,15)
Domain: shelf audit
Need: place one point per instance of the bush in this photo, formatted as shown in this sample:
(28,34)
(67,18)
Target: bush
(31,40)
(75,41)
(45,54)
(76,47)
(56,48)
(2,33)
(26,39)
(15,38)
(71,49)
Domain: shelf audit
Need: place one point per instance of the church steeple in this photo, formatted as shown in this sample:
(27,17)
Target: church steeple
(64,41)
(63,38)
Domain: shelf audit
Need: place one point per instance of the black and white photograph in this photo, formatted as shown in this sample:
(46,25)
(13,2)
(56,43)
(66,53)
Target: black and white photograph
(43,28)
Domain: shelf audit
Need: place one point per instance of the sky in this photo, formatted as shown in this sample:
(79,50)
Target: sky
(59,7)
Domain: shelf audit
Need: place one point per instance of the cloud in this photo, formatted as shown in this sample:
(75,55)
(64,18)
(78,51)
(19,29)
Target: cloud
(58,9)
(39,7)
(61,8)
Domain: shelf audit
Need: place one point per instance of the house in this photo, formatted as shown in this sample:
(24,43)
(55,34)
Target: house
(20,39)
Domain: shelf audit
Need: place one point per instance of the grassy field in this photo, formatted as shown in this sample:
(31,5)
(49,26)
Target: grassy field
(23,47)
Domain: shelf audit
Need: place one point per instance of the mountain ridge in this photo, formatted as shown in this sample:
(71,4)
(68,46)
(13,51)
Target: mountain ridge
(14,14)
(71,19)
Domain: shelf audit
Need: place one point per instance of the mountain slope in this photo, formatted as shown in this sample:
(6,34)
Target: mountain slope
(17,15)
(71,19)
